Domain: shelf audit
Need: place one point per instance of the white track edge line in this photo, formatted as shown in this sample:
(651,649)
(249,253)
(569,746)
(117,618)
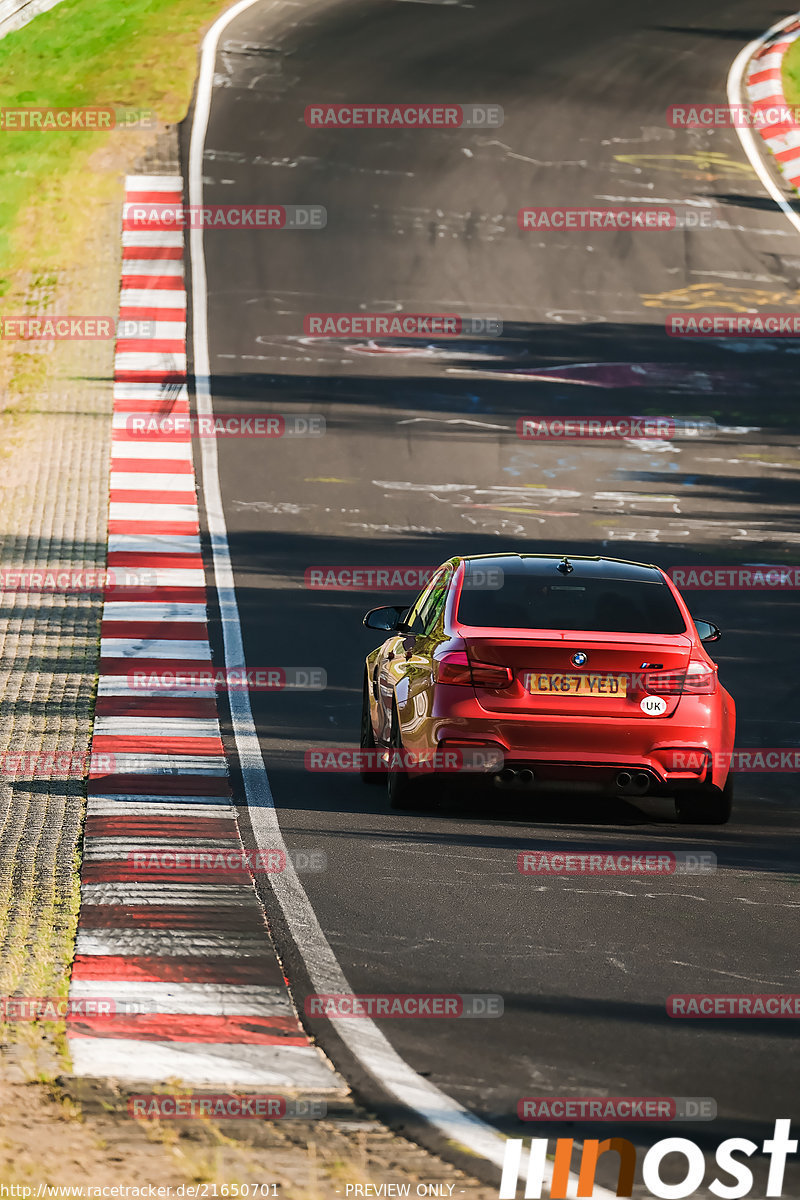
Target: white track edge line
(363,1038)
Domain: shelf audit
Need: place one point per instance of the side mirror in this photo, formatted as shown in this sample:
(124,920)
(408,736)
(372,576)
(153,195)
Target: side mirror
(389,620)
(707,631)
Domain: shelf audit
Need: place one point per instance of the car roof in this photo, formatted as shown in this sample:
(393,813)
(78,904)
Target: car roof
(584,565)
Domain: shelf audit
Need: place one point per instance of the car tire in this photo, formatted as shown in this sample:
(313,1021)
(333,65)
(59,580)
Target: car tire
(368,738)
(706,806)
(403,792)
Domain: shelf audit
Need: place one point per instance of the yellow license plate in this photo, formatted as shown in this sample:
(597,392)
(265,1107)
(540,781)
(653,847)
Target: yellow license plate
(544,683)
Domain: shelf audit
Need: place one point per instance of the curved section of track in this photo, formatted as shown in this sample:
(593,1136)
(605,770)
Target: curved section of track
(420,460)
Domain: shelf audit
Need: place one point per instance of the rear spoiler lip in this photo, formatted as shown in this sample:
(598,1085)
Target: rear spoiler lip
(579,636)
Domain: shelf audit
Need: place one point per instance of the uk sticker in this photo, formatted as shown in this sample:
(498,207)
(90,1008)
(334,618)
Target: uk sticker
(654,706)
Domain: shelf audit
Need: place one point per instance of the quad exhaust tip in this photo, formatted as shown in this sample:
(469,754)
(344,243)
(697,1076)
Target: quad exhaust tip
(510,777)
(633,785)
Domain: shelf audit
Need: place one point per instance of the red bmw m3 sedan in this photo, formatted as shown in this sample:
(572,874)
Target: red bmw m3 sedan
(569,673)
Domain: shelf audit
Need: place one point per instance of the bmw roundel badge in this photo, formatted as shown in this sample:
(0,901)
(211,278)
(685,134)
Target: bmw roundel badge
(579,659)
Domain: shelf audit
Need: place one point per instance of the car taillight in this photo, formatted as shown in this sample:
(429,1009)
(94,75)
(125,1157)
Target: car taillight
(456,668)
(699,679)
(487,675)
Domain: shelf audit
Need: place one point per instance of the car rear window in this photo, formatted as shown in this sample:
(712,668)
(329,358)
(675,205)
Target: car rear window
(534,596)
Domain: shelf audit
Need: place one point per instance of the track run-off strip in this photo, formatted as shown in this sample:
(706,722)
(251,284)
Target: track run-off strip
(177,959)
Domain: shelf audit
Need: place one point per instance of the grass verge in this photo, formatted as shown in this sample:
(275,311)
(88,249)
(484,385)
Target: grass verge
(140,56)
(791,74)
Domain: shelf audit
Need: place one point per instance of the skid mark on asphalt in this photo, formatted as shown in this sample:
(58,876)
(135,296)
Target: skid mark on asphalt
(650,133)
(253,67)
(669,378)
(453,421)
(729,974)
(328,164)
(285,507)
(535,162)
(182,952)
(404,529)
(735,275)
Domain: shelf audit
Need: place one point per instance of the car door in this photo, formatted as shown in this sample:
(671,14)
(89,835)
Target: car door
(395,655)
(415,701)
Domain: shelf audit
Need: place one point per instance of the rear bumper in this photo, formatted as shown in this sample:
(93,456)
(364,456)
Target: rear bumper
(641,778)
(692,747)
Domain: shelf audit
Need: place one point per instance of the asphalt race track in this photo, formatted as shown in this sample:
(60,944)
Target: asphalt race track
(421,461)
